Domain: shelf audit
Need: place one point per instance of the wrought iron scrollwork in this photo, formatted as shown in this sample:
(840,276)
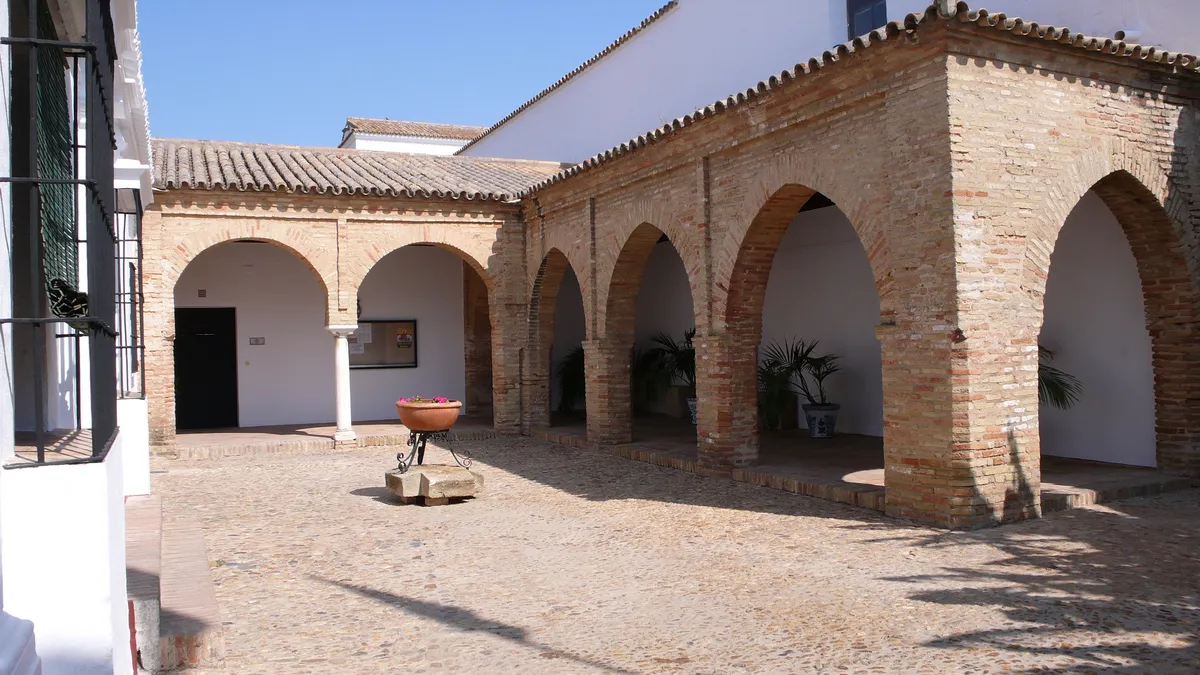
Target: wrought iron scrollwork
(416,442)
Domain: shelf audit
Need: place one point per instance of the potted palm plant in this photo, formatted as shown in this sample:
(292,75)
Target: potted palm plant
(775,386)
(793,360)
(674,362)
(1056,388)
(572,380)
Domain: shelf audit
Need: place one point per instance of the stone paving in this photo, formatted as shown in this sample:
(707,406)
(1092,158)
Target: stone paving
(572,561)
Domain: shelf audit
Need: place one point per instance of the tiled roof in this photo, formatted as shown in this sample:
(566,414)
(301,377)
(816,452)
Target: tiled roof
(571,75)
(961,13)
(367,125)
(215,165)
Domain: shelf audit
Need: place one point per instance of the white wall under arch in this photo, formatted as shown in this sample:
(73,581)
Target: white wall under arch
(290,379)
(1094,321)
(664,305)
(821,288)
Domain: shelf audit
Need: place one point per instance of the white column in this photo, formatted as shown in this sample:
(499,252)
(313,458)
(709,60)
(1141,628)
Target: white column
(341,360)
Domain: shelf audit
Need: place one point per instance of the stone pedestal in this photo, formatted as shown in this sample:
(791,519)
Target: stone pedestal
(433,484)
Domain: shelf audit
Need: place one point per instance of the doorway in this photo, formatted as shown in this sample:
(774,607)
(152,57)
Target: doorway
(206,368)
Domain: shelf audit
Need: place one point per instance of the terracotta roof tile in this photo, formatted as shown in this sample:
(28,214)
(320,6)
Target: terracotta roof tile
(401,128)
(571,75)
(961,13)
(217,165)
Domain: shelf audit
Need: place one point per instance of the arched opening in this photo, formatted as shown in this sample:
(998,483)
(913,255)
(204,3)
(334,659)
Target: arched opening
(1120,323)
(801,278)
(250,339)
(649,369)
(424,329)
(556,382)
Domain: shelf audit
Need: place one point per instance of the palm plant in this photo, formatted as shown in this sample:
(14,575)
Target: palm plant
(675,361)
(1056,388)
(774,383)
(569,373)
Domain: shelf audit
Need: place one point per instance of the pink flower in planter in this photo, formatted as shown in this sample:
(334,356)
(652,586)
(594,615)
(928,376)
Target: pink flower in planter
(422,399)
(441,399)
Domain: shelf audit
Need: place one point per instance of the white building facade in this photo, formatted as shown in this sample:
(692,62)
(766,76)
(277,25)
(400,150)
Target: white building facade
(73,427)
(422,138)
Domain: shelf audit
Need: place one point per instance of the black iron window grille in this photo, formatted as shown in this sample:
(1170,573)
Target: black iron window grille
(64,213)
(131,347)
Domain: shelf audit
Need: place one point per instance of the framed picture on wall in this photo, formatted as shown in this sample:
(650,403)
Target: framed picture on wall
(384,343)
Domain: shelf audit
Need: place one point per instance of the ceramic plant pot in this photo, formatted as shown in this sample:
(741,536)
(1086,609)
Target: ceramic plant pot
(428,416)
(822,419)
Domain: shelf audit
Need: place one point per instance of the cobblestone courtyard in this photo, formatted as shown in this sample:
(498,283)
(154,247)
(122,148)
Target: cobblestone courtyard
(577,562)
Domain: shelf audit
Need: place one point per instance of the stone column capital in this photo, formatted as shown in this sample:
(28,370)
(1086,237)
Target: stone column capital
(341,331)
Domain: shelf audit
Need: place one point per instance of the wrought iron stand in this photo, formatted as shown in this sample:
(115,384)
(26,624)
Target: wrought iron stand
(417,441)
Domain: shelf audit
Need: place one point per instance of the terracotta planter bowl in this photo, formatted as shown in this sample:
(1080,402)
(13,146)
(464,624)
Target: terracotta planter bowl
(428,416)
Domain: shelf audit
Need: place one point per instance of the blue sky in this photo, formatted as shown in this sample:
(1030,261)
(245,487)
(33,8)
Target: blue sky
(291,71)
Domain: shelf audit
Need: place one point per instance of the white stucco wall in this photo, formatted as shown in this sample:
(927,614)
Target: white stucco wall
(570,329)
(413,144)
(821,288)
(134,422)
(423,283)
(1094,320)
(64,563)
(672,68)
(290,379)
(664,305)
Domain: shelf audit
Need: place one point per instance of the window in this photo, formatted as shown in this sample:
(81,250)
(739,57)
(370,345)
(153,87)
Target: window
(864,16)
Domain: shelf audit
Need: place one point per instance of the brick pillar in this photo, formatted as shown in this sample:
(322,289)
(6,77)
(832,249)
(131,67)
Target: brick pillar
(159,329)
(609,409)
(535,388)
(477,343)
(960,421)
(727,402)
(507,340)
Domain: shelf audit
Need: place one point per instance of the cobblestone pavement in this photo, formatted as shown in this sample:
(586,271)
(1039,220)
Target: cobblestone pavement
(576,562)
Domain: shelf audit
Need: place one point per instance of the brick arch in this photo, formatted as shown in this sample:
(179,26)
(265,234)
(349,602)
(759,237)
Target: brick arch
(1153,214)
(619,319)
(743,259)
(543,302)
(303,248)
(361,259)
(664,218)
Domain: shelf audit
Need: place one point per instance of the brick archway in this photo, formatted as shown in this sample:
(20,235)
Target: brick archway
(1152,212)
(727,382)
(160,307)
(542,318)
(609,405)
(772,199)
(664,218)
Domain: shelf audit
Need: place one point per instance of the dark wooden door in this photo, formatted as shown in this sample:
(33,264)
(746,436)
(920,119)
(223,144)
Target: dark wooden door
(206,368)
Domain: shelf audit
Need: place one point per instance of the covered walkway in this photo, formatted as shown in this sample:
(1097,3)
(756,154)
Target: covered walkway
(850,468)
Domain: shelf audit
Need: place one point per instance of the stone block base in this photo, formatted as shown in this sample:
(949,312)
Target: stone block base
(433,484)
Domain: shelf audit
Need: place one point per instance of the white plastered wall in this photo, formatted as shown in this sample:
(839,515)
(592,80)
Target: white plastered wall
(423,283)
(664,305)
(615,100)
(290,378)
(411,144)
(821,288)
(1094,321)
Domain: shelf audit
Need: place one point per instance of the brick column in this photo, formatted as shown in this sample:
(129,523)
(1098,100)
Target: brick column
(727,402)
(535,388)
(507,339)
(609,409)
(477,343)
